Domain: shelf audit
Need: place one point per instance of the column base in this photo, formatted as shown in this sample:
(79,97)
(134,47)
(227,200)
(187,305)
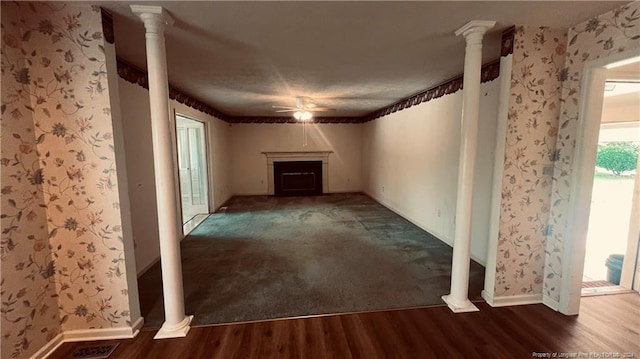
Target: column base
(179,330)
(464,307)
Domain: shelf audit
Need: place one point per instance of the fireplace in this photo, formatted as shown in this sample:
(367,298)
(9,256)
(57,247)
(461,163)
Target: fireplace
(297,178)
(303,178)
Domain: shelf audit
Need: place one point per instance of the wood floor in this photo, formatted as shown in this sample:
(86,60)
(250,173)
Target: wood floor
(607,327)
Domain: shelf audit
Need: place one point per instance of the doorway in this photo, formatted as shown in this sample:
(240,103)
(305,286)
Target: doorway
(611,223)
(596,75)
(192,169)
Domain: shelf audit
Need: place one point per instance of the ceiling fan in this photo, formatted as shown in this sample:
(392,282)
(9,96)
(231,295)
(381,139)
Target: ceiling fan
(304,109)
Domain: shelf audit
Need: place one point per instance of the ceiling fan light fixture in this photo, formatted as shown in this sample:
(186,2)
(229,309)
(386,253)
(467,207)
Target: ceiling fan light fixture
(306,116)
(302,115)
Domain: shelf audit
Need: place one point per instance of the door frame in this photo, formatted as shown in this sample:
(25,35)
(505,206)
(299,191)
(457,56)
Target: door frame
(583,169)
(207,162)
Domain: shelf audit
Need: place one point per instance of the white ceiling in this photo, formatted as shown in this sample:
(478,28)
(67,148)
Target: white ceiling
(243,57)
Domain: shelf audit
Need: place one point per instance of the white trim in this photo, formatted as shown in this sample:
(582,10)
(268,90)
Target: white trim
(465,307)
(395,210)
(506,67)
(49,348)
(447,240)
(583,168)
(620,125)
(137,326)
(507,301)
(186,121)
(155,10)
(179,330)
(88,335)
(274,156)
(549,302)
(85,335)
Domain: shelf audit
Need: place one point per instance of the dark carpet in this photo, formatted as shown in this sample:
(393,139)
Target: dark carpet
(272,257)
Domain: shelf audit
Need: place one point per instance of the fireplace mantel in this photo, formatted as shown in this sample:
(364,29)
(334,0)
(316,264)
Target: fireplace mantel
(276,156)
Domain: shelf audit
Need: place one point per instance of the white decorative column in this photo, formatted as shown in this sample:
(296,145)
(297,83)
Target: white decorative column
(458,299)
(176,323)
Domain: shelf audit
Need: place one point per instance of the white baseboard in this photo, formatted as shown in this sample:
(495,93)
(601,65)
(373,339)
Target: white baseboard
(555,305)
(49,348)
(448,241)
(400,213)
(507,301)
(85,335)
(137,326)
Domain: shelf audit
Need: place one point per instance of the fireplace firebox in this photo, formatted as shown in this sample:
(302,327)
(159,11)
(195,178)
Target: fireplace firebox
(297,178)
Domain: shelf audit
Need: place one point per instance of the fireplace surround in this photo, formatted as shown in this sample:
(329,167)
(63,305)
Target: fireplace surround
(297,156)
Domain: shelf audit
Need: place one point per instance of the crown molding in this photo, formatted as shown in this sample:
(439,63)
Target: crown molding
(489,72)
(508,35)
(134,75)
(107,26)
(290,119)
(139,77)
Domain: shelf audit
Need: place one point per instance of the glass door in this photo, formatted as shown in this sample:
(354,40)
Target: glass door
(192,164)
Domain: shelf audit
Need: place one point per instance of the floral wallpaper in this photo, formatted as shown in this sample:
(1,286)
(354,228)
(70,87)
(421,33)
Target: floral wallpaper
(612,32)
(62,248)
(29,305)
(532,127)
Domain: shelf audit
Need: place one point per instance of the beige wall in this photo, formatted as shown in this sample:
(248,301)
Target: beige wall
(137,138)
(410,164)
(249,165)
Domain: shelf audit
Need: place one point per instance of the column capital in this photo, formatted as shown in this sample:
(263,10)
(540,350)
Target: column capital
(152,15)
(475,28)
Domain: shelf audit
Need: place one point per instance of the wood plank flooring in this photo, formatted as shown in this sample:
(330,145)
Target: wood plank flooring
(607,325)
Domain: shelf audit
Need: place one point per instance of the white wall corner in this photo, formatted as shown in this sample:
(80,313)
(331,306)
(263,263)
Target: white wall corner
(506,67)
(551,303)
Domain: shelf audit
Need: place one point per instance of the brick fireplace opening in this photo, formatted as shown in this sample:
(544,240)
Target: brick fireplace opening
(297,178)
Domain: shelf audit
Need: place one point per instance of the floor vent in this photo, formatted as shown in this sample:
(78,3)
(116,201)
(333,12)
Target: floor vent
(94,351)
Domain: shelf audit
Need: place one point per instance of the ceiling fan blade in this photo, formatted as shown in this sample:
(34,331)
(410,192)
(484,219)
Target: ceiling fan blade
(289,110)
(285,107)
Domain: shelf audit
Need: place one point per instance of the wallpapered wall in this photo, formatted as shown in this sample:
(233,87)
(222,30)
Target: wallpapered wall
(29,305)
(610,33)
(59,190)
(532,127)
